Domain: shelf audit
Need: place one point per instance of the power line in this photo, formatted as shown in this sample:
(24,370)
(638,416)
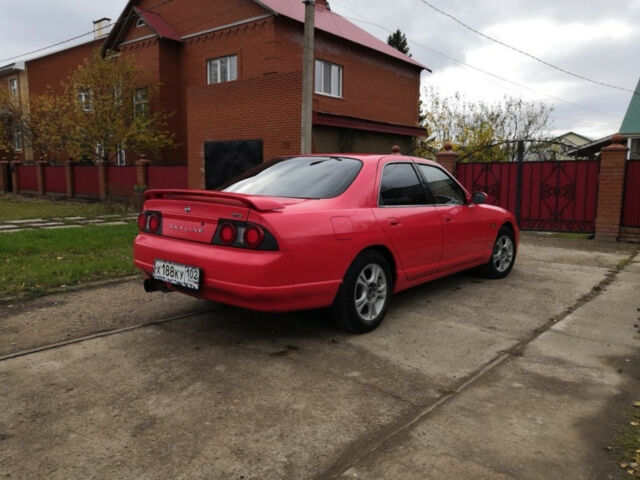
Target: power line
(485,72)
(77,37)
(527,54)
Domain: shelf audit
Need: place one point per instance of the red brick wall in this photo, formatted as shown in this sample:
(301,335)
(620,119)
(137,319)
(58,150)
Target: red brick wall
(54,69)
(266,108)
(610,188)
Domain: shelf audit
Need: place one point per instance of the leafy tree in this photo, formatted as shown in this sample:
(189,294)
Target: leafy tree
(98,112)
(398,40)
(485,131)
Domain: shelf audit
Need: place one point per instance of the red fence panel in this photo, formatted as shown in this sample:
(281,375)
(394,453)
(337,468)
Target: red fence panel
(54,179)
(631,206)
(167,177)
(559,196)
(28,178)
(121,181)
(86,180)
(498,180)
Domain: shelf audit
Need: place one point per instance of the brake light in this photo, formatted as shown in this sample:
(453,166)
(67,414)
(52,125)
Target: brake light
(253,236)
(150,222)
(232,233)
(228,233)
(154,223)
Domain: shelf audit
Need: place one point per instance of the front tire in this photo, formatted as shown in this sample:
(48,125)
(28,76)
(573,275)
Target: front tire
(503,255)
(363,297)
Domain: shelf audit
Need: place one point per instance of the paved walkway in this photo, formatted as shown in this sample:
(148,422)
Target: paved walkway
(65,222)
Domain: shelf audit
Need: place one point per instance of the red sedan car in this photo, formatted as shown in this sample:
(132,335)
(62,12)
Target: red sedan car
(339,231)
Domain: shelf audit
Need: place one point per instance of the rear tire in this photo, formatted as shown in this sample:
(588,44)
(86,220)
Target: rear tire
(363,297)
(503,255)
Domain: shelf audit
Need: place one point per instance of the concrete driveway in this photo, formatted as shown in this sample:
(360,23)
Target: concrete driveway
(525,377)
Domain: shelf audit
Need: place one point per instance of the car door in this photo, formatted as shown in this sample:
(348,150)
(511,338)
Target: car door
(465,226)
(407,215)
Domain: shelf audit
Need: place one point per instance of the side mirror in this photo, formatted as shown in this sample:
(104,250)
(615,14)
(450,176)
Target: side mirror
(479,198)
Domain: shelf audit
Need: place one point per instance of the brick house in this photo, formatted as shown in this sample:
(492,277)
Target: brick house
(14,78)
(231,70)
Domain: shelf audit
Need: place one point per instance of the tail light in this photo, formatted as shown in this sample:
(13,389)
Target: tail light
(232,233)
(150,222)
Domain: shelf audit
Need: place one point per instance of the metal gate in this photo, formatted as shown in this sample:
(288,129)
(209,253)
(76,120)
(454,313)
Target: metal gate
(550,195)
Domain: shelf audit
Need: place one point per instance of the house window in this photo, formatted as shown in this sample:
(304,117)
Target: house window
(140,23)
(121,156)
(13,88)
(17,138)
(141,102)
(84,99)
(328,79)
(634,150)
(224,69)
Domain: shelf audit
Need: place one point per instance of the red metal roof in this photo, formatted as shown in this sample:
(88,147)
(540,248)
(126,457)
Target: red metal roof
(331,120)
(332,23)
(156,23)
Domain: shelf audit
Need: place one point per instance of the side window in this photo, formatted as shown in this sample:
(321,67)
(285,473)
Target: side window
(400,186)
(445,190)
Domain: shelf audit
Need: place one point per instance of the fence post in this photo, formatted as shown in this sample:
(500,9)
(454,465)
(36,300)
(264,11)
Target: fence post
(142,171)
(448,158)
(41,181)
(68,178)
(4,175)
(611,189)
(103,178)
(15,175)
(518,212)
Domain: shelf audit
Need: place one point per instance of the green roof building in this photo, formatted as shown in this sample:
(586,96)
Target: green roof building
(630,127)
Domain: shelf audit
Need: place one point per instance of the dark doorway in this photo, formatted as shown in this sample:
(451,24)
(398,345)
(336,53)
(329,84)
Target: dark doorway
(225,160)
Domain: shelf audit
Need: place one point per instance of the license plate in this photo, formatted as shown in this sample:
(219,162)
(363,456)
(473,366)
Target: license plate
(177,274)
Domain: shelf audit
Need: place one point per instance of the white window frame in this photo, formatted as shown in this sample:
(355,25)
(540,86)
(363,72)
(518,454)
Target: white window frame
(142,101)
(140,22)
(14,88)
(84,99)
(232,69)
(121,156)
(334,89)
(18,138)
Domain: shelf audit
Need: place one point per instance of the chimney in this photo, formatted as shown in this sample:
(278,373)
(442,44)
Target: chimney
(101,27)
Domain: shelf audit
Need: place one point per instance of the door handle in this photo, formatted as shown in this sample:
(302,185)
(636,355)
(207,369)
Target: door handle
(393,221)
(448,219)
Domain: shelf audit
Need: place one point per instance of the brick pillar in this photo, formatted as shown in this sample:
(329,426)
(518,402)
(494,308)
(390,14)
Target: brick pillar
(142,171)
(15,175)
(611,189)
(4,176)
(42,187)
(68,177)
(103,178)
(447,158)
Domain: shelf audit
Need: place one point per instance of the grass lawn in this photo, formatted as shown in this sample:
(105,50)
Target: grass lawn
(629,444)
(13,207)
(36,261)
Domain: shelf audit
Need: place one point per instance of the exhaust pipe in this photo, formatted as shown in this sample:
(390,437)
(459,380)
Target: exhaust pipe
(153,285)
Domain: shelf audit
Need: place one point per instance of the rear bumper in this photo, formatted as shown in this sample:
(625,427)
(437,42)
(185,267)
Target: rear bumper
(258,280)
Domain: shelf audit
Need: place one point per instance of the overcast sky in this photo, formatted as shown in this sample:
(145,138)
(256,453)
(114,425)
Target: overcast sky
(596,39)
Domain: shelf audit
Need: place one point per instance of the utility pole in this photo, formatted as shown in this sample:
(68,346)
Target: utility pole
(307,75)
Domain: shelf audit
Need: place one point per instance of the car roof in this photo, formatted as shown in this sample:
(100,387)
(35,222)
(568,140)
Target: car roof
(374,157)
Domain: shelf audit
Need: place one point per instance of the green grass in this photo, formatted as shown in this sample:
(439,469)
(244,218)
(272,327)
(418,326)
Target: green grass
(628,445)
(35,262)
(21,208)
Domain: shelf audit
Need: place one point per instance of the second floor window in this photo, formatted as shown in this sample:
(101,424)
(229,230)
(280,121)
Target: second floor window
(17,138)
(328,79)
(224,69)
(84,99)
(141,102)
(13,88)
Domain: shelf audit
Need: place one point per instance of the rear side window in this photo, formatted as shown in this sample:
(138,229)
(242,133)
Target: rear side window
(400,186)
(445,190)
(298,177)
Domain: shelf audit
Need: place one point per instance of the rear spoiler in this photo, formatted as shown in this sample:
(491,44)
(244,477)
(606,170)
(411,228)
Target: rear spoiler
(262,204)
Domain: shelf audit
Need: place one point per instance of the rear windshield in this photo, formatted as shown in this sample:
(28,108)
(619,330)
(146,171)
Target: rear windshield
(298,177)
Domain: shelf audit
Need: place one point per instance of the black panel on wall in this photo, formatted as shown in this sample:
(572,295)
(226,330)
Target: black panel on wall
(225,160)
